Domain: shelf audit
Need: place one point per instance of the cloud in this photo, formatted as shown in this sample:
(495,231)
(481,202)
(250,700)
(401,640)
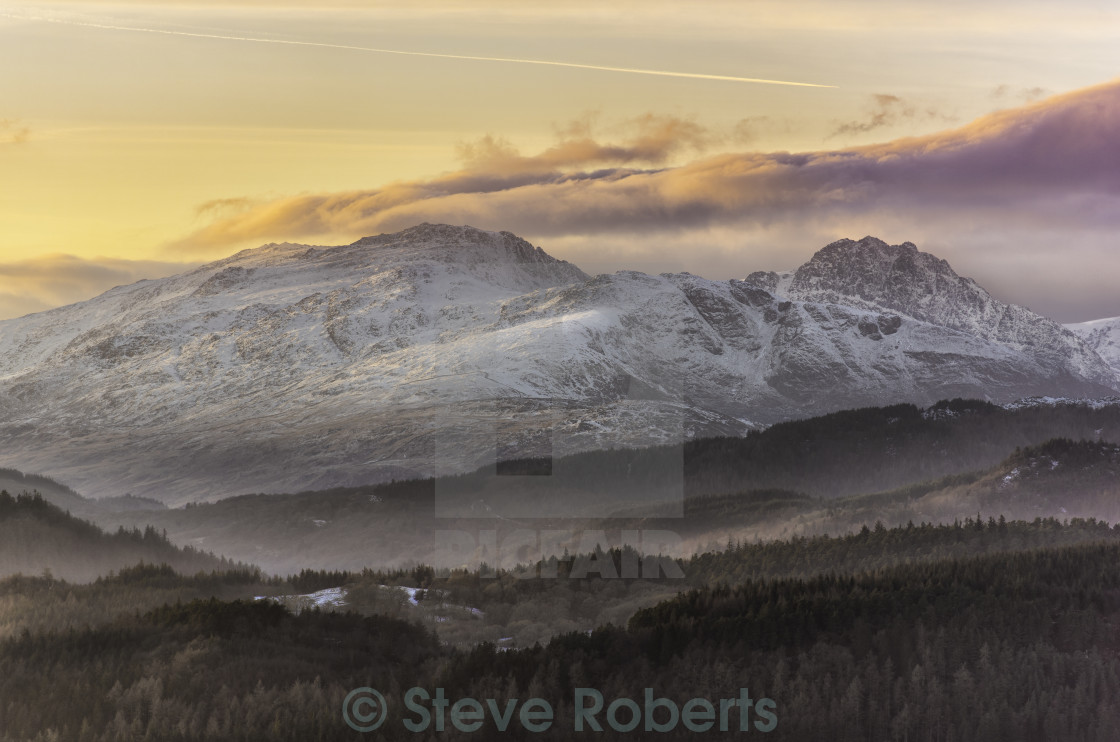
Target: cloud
(491,166)
(219,206)
(11,132)
(652,140)
(1052,161)
(887,110)
(1045,175)
(53,280)
(749,129)
(1017,94)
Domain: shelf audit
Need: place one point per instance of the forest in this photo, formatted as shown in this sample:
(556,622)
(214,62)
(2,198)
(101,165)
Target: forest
(979,630)
(37,536)
(956,594)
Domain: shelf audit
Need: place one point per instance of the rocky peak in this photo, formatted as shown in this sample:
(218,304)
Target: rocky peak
(499,245)
(870,275)
(872,270)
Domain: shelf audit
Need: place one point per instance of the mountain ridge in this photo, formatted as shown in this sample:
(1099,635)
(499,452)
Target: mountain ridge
(435,349)
(921,285)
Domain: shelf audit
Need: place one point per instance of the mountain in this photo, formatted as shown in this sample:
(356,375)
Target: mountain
(439,349)
(1102,336)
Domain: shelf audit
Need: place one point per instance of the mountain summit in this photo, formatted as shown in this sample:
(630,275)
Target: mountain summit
(435,349)
(872,275)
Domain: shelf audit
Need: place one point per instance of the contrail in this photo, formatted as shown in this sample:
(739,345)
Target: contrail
(324,45)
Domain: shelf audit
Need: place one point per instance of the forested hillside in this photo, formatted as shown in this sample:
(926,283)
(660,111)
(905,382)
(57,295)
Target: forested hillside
(883,448)
(983,630)
(393,525)
(37,537)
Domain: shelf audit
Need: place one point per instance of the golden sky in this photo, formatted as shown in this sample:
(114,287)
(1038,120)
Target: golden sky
(139,138)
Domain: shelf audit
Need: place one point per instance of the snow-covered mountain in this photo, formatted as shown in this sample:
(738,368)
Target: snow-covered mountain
(434,350)
(1102,336)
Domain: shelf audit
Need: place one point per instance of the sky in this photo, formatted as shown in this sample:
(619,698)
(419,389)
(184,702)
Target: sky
(141,139)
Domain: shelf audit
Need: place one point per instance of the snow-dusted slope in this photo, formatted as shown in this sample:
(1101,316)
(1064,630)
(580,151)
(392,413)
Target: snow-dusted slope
(292,367)
(874,275)
(1103,336)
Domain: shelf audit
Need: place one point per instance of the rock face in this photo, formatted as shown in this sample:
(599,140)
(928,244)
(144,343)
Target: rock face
(1103,337)
(873,275)
(435,349)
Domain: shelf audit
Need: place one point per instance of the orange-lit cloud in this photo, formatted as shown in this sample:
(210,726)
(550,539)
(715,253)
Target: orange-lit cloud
(491,166)
(1052,161)
(51,280)
(653,140)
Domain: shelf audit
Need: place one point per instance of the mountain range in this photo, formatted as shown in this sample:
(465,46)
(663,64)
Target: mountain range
(439,349)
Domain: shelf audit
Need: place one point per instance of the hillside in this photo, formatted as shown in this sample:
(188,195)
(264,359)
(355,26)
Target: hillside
(808,477)
(37,537)
(1059,479)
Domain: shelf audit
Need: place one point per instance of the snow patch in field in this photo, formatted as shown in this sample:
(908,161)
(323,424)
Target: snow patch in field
(332,597)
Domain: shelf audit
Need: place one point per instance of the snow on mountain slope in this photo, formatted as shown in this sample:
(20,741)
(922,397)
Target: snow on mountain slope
(874,275)
(291,367)
(1102,336)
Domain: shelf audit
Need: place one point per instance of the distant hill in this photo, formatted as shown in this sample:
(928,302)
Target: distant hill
(16,482)
(1059,479)
(882,448)
(811,476)
(37,536)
